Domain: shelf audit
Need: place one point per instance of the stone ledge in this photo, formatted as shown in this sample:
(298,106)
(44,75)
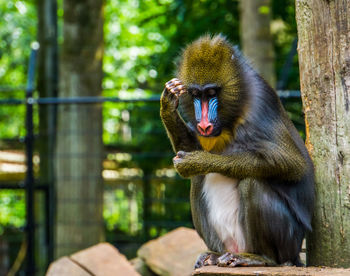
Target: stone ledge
(270,271)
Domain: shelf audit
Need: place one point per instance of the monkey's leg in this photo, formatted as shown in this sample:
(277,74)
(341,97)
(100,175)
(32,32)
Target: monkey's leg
(180,136)
(273,228)
(206,258)
(243,259)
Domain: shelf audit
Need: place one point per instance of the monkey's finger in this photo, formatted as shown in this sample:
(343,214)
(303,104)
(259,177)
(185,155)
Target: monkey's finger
(169,86)
(175,80)
(181,154)
(212,259)
(238,262)
(174,92)
(182,89)
(176,158)
(179,89)
(173,89)
(226,259)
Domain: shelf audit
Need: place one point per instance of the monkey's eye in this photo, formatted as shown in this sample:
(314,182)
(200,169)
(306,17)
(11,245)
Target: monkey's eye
(195,92)
(211,92)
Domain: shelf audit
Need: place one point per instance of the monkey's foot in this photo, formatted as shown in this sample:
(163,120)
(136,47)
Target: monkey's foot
(243,259)
(297,263)
(206,258)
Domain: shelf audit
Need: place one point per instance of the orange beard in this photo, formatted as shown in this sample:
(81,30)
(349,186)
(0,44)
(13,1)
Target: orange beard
(216,144)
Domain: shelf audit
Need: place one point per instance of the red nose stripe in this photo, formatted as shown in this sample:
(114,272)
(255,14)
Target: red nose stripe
(204,126)
(204,119)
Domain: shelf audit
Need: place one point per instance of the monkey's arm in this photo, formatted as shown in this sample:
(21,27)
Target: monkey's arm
(272,160)
(182,139)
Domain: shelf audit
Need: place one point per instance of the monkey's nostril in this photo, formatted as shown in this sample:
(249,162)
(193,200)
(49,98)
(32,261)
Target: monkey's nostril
(205,129)
(200,129)
(209,129)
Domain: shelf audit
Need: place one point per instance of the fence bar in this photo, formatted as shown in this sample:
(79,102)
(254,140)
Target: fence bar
(92,100)
(12,101)
(284,94)
(29,181)
(19,186)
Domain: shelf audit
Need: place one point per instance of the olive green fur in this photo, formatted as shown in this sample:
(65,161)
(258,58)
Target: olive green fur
(266,153)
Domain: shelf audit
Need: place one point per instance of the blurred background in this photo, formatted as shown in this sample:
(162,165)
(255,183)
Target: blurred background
(96,165)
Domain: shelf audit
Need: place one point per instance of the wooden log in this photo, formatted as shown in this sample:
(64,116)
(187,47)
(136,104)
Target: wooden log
(270,271)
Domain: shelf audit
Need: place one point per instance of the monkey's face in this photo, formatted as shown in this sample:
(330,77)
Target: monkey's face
(205,104)
(210,72)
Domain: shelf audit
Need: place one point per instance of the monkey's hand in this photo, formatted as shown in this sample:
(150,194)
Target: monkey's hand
(180,135)
(170,97)
(188,164)
(278,164)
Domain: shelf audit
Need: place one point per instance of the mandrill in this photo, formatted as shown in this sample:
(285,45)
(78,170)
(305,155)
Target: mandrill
(252,180)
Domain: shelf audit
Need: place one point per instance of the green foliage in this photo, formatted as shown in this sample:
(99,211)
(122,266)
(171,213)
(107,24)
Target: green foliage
(143,38)
(121,209)
(17,32)
(284,31)
(12,209)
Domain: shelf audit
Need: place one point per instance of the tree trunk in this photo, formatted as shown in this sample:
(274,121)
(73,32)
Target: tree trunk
(79,187)
(324,61)
(256,37)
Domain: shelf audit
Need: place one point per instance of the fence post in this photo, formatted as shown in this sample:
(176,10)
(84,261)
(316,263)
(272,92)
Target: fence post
(29,181)
(47,86)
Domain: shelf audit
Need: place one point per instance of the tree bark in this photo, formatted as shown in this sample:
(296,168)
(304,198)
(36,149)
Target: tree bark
(79,187)
(256,37)
(324,61)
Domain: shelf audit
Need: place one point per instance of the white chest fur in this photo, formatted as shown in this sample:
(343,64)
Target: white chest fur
(222,196)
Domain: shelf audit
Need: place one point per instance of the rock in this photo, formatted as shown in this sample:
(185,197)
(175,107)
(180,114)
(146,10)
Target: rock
(99,260)
(141,267)
(65,266)
(270,271)
(173,254)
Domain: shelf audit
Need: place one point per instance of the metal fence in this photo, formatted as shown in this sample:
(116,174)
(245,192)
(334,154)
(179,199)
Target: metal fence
(18,252)
(149,192)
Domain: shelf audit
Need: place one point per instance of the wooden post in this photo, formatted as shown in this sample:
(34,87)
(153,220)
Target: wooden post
(256,37)
(79,151)
(324,61)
